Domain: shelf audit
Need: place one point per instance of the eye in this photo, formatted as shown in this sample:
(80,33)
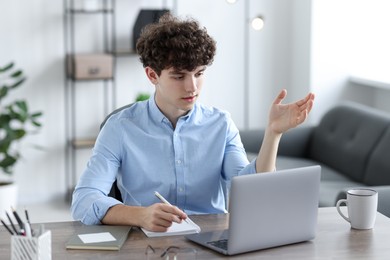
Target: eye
(200,73)
(178,77)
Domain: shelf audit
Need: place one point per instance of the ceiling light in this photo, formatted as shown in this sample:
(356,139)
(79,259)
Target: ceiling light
(257,23)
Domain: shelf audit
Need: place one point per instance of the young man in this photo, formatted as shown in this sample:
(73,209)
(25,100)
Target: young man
(170,143)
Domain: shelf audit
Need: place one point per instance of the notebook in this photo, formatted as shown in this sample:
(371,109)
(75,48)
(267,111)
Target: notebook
(184,228)
(268,210)
(99,237)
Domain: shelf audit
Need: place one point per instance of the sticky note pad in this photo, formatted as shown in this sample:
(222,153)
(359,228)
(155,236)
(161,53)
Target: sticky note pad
(96,237)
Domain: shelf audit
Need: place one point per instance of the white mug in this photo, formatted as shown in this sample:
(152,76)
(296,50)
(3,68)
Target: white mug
(362,204)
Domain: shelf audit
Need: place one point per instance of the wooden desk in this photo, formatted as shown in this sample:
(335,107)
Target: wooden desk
(335,240)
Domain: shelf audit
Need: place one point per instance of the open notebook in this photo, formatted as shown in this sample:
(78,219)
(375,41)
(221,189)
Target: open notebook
(184,228)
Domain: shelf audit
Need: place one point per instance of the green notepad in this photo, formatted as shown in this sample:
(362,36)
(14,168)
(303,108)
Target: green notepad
(99,237)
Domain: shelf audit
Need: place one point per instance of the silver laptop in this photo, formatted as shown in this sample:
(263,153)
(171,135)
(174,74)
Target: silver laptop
(268,210)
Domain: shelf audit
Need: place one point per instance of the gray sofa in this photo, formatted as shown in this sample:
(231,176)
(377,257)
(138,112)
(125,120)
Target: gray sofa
(352,145)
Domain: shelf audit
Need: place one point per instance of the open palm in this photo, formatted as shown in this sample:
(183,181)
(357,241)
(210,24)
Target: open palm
(282,117)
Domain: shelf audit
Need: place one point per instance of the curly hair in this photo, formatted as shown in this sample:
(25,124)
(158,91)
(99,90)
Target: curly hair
(171,42)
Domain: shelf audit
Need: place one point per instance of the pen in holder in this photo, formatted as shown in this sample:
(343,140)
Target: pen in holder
(31,248)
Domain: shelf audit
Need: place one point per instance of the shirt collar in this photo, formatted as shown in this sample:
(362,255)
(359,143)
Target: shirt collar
(158,116)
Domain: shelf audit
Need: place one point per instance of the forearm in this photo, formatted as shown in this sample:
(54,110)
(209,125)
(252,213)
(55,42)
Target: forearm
(266,159)
(124,215)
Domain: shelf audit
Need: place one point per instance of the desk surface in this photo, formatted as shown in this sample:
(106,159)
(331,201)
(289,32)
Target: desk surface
(335,240)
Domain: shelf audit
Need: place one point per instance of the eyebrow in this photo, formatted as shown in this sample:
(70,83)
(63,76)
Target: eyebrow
(181,72)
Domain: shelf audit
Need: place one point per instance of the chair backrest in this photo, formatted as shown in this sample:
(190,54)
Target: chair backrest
(114,192)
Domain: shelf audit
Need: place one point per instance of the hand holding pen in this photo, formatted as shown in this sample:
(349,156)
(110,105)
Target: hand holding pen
(163,200)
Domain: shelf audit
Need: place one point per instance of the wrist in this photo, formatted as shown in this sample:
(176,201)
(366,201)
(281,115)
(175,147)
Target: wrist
(272,134)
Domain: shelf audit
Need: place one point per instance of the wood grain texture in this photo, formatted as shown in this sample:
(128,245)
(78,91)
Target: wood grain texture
(335,240)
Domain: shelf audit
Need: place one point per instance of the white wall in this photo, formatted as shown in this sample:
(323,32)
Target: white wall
(32,35)
(349,37)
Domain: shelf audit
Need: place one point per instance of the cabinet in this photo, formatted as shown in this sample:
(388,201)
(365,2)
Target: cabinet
(95,65)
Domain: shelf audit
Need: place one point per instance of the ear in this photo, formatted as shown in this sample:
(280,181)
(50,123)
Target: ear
(152,75)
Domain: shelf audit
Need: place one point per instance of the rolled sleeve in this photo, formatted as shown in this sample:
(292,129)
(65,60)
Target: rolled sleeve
(249,169)
(91,213)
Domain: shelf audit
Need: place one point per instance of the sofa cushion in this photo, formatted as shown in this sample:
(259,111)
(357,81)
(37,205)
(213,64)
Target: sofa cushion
(346,136)
(378,166)
(331,180)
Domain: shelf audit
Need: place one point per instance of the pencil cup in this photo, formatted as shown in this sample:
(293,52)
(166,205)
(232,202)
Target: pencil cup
(31,248)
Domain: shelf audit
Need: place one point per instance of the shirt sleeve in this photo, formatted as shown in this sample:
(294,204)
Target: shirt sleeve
(235,158)
(90,202)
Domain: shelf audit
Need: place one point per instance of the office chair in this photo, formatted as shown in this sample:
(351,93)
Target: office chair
(114,192)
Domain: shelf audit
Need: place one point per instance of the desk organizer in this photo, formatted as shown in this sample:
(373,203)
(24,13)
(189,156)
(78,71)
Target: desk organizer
(31,248)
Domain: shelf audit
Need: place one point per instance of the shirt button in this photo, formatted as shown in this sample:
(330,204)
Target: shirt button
(178,161)
(181,189)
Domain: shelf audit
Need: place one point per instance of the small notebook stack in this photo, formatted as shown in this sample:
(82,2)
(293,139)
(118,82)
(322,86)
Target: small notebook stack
(99,237)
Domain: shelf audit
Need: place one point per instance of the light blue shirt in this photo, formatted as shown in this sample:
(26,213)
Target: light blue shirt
(188,165)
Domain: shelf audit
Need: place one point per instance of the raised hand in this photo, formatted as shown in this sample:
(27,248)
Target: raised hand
(283,117)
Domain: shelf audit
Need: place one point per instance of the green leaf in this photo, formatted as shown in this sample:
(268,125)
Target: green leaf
(19,133)
(142,96)
(36,123)
(18,83)
(7,67)
(36,114)
(3,91)
(22,105)
(16,74)
(7,162)
(4,120)
(4,145)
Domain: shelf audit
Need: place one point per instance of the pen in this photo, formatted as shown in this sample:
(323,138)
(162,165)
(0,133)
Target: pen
(27,225)
(9,230)
(28,229)
(12,224)
(20,222)
(160,197)
(27,217)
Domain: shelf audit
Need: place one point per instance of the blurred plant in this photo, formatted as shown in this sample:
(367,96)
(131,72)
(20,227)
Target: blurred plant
(15,117)
(142,97)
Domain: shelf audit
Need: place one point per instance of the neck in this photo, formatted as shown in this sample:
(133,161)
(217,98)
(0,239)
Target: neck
(173,114)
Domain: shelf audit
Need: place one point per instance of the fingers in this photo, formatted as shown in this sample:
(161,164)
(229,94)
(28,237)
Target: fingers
(161,216)
(302,117)
(305,103)
(282,94)
(306,100)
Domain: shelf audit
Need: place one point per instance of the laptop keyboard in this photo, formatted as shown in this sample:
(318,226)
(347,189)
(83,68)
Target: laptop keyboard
(219,243)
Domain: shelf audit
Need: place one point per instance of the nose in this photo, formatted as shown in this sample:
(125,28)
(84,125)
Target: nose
(191,84)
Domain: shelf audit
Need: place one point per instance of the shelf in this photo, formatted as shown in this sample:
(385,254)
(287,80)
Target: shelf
(81,68)
(124,53)
(90,80)
(82,11)
(375,83)
(83,143)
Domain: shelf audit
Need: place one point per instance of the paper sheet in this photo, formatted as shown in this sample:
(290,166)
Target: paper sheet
(97,237)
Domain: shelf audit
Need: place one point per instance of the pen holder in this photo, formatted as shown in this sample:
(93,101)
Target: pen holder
(31,248)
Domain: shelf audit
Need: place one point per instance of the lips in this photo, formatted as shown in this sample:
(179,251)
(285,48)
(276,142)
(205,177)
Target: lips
(190,99)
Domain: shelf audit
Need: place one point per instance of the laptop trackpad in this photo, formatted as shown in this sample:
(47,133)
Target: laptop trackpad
(212,239)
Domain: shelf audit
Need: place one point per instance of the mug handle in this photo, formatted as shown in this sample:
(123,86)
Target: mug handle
(339,210)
